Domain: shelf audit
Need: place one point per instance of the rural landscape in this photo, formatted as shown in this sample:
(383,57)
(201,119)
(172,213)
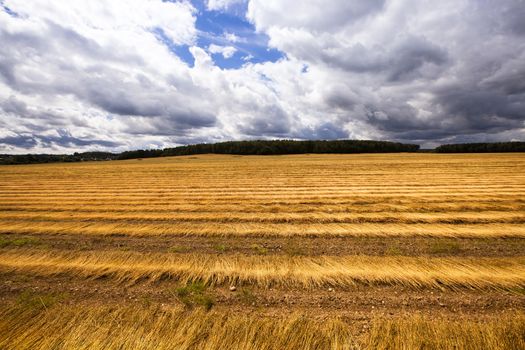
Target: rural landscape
(312,251)
(262,175)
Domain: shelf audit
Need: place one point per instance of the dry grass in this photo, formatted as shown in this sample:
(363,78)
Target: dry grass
(299,271)
(163,328)
(290,197)
(118,327)
(212,229)
(321,195)
(487,217)
(416,332)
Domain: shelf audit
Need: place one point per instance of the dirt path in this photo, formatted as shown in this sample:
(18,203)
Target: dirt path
(358,302)
(312,246)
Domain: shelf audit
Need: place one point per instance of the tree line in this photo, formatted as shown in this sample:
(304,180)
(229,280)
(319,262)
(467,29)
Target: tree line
(276,147)
(482,147)
(265,147)
(56,158)
(255,147)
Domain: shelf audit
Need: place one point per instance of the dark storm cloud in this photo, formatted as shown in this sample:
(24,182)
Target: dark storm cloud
(266,126)
(423,75)
(406,59)
(135,101)
(513,11)
(177,124)
(340,99)
(401,63)
(476,103)
(7,73)
(38,120)
(14,106)
(21,141)
(64,139)
(325,131)
(462,112)
(121,101)
(270,121)
(508,80)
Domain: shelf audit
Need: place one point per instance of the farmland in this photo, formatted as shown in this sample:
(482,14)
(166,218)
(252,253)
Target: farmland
(265,252)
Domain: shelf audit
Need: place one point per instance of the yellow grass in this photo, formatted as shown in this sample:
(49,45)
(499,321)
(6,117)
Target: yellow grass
(136,329)
(262,229)
(417,332)
(159,328)
(305,195)
(271,270)
(281,217)
(379,195)
(354,205)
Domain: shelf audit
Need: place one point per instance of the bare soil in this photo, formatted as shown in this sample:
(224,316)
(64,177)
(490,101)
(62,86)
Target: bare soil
(312,246)
(358,302)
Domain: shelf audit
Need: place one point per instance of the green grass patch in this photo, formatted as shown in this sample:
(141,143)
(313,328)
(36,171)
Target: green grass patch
(259,249)
(178,249)
(194,294)
(31,300)
(18,242)
(220,247)
(444,247)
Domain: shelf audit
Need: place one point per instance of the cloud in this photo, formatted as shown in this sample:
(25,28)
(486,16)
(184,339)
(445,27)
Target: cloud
(231,37)
(82,75)
(216,5)
(63,140)
(419,75)
(325,131)
(225,51)
(109,17)
(313,15)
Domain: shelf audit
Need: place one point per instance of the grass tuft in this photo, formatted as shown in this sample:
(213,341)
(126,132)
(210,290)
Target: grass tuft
(19,242)
(178,249)
(221,248)
(247,297)
(34,301)
(194,293)
(259,249)
(448,247)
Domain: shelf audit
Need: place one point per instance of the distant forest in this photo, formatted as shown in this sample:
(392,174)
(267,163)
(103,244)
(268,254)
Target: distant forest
(264,147)
(494,147)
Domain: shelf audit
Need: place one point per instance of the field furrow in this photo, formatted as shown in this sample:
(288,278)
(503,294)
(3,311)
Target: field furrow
(311,251)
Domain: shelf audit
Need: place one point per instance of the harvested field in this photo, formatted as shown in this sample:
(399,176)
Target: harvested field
(321,251)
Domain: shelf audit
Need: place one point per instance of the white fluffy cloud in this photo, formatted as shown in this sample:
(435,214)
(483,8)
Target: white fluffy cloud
(409,70)
(83,75)
(225,51)
(222,4)
(311,15)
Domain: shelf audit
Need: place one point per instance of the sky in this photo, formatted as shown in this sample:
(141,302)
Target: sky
(115,75)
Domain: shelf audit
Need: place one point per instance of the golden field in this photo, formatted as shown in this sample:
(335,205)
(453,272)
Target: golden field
(379,251)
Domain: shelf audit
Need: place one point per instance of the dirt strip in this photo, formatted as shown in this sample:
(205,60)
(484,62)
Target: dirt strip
(359,302)
(313,246)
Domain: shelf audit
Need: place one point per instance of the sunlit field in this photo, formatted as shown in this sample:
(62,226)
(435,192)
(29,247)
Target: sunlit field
(380,251)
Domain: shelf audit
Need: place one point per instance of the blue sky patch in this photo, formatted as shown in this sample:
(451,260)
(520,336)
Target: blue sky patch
(182,51)
(228,28)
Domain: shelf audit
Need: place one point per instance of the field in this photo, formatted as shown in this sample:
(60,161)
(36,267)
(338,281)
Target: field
(382,251)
